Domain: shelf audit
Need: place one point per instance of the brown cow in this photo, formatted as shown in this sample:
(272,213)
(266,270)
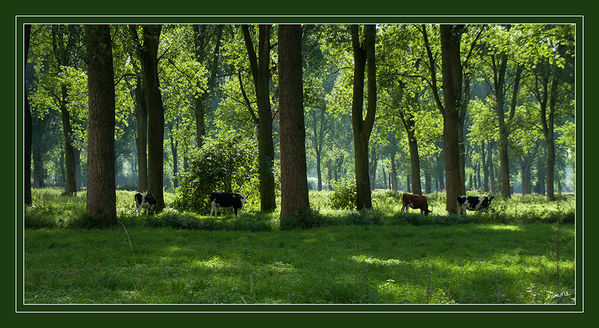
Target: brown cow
(416,202)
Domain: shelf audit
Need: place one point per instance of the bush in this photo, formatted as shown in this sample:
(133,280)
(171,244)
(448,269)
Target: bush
(344,194)
(224,163)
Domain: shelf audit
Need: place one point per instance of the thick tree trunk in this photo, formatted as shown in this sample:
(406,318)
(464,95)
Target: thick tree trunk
(294,185)
(141,114)
(101,194)
(452,91)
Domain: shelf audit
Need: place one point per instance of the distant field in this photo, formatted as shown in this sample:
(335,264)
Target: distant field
(381,256)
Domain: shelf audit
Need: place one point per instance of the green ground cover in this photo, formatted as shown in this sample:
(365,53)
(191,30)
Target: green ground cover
(382,256)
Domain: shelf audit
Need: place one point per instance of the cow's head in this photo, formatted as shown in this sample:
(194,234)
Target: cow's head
(244,198)
(138,199)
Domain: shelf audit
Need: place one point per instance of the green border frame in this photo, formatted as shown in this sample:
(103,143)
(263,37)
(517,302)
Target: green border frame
(259,18)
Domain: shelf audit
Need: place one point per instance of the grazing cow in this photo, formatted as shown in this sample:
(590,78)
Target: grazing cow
(416,202)
(145,201)
(226,200)
(473,203)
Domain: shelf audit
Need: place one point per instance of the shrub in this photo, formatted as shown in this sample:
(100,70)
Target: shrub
(224,163)
(344,194)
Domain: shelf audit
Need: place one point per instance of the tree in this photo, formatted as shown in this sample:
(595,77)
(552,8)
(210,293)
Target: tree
(260,68)
(148,56)
(101,188)
(451,70)
(363,51)
(202,35)
(294,185)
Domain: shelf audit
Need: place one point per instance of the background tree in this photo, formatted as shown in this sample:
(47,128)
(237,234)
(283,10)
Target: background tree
(148,56)
(364,61)
(101,195)
(260,68)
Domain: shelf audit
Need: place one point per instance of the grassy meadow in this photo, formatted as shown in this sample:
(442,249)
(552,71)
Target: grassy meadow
(521,252)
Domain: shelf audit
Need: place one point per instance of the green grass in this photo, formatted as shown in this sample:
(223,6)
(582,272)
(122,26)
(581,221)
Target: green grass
(510,255)
(470,263)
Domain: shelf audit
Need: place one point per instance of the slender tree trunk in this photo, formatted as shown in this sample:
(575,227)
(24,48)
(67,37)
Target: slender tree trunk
(363,57)
(151,36)
(101,194)
(294,185)
(28,125)
(141,114)
(372,168)
(318,171)
(549,131)
(485,168)
(175,160)
(393,174)
(491,167)
(69,149)
(260,67)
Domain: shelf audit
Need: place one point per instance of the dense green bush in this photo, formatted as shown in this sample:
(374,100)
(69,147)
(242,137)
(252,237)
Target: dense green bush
(225,163)
(344,194)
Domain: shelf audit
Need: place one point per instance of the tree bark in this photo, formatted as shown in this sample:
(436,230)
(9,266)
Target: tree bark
(409,126)
(451,70)
(101,194)
(141,114)
(294,185)
(260,66)
(362,127)
(148,55)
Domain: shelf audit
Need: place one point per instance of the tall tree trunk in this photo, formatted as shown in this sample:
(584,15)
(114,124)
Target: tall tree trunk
(260,67)
(485,168)
(549,131)
(362,127)
(28,125)
(69,149)
(101,193)
(175,160)
(141,114)
(452,91)
(409,126)
(393,174)
(372,167)
(319,171)
(151,36)
(294,185)
(491,167)
(499,63)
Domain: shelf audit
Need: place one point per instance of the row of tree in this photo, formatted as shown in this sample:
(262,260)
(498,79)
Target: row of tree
(452,93)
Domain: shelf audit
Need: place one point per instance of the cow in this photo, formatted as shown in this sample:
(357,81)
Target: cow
(145,201)
(473,203)
(415,201)
(226,200)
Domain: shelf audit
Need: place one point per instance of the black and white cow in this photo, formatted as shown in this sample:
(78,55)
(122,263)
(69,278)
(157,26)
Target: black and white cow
(145,201)
(473,203)
(226,200)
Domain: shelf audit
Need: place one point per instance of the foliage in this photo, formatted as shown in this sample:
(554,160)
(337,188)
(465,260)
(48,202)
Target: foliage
(344,194)
(225,163)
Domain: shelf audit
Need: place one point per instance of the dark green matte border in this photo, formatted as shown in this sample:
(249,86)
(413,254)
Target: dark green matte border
(42,17)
